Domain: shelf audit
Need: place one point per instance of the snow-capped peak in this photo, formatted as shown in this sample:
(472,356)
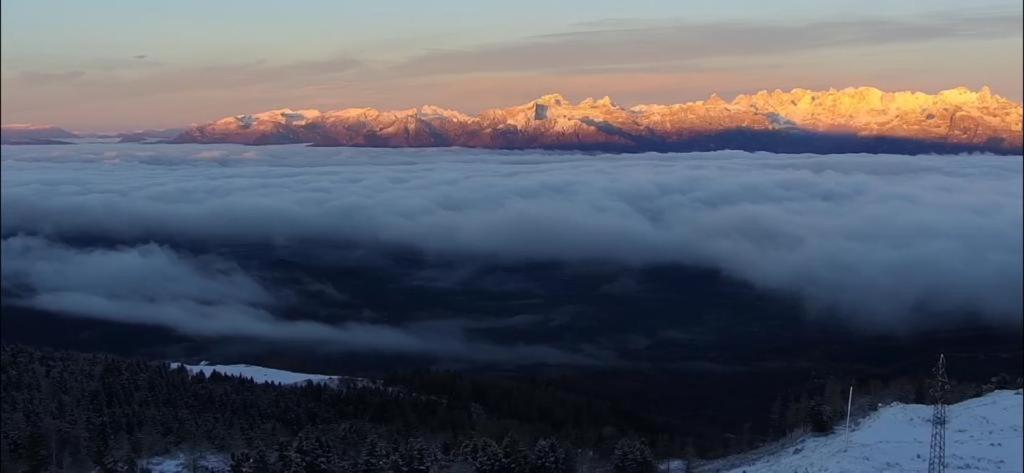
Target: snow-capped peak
(714,101)
(282,115)
(433,111)
(556,100)
(982,119)
(287,115)
(603,102)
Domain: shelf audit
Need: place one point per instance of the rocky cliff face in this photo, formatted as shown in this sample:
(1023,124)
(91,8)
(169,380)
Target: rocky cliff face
(853,119)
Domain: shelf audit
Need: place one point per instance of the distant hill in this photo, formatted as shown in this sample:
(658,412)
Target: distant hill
(17,134)
(148,136)
(863,119)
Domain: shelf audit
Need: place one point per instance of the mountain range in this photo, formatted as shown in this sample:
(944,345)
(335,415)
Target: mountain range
(862,119)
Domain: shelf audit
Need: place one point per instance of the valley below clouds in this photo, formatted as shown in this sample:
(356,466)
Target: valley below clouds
(281,243)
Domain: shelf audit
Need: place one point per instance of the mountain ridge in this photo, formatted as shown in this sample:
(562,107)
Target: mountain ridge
(801,120)
(24,133)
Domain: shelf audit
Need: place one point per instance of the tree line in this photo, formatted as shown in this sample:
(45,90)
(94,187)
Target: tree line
(66,411)
(69,411)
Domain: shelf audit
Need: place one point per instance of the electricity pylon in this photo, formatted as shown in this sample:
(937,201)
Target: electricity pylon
(940,385)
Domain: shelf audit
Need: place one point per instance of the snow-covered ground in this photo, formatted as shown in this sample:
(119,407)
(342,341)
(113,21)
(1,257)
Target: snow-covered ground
(180,462)
(984,434)
(261,374)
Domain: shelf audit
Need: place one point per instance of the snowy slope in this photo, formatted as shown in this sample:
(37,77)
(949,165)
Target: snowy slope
(984,434)
(270,375)
(181,463)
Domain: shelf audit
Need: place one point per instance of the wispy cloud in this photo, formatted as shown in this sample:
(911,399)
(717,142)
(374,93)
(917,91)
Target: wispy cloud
(204,295)
(50,78)
(153,78)
(641,44)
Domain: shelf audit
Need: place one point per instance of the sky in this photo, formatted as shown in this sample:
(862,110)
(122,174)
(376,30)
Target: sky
(128,65)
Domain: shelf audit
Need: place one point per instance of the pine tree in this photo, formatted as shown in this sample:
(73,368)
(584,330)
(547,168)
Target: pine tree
(418,456)
(37,448)
(103,455)
(483,454)
(820,417)
(309,453)
(240,462)
(548,457)
(250,461)
(377,455)
(776,420)
(516,457)
(632,456)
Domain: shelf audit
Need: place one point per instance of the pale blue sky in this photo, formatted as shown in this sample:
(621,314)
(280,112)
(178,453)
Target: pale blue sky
(133,64)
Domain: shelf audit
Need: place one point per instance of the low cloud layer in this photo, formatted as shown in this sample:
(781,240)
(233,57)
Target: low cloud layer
(152,284)
(876,237)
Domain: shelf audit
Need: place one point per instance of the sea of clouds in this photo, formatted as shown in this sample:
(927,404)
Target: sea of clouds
(871,237)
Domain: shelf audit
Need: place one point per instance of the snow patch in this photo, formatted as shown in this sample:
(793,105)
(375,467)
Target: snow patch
(180,462)
(984,434)
(262,374)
